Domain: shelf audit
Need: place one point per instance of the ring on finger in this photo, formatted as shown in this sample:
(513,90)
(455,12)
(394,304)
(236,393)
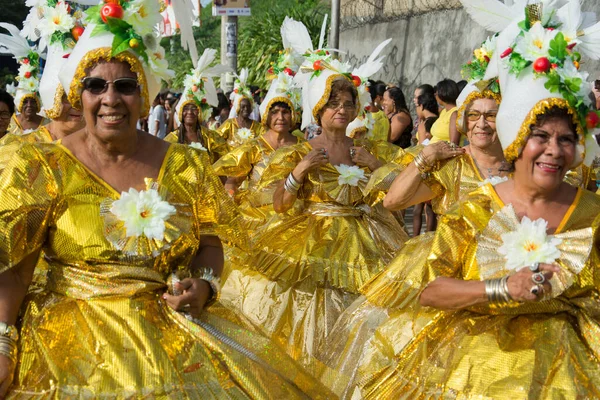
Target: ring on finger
(352,153)
(535,267)
(536,289)
(538,278)
(452,145)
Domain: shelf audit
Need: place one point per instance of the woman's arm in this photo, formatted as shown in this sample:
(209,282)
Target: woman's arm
(422,133)
(407,189)
(451,294)
(453,131)
(398,125)
(233,183)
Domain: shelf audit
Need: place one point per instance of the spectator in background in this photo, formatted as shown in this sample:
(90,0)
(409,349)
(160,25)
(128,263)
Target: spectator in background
(381,128)
(255,115)
(394,106)
(444,129)
(420,90)
(220,112)
(461,85)
(170,104)
(596,92)
(157,121)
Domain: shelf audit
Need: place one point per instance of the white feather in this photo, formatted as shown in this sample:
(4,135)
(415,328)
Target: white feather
(378,50)
(570,15)
(373,63)
(322,36)
(217,70)
(490,14)
(295,36)
(14,43)
(211,93)
(590,42)
(184,15)
(243,76)
(207,57)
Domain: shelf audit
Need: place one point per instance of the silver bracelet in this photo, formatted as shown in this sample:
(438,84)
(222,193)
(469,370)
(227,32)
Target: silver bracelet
(208,275)
(291,185)
(497,293)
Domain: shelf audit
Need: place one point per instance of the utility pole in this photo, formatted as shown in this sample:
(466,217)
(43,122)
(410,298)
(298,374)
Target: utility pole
(229,41)
(334,38)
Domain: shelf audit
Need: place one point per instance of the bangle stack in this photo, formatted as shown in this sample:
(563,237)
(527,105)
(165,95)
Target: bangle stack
(291,185)
(497,293)
(207,274)
(422,165)
(8,341)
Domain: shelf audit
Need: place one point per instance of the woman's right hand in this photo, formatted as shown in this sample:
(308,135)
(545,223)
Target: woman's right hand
(521,283)
(441,151)
(314,159)
(7,371)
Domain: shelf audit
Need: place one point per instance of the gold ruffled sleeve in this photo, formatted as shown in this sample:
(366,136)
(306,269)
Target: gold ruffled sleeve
(283,161)
(238,162)
(216,144)
(27,199)
(582,176)
(214,211)
(172,137)
(395,162)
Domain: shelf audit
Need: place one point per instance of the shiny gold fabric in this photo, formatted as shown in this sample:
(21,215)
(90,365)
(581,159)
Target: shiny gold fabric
(228,129)
(582,176)
(544,350)
(306,269)
(101,330)
(381,129)
(214,143)
(15,128)
(249,161)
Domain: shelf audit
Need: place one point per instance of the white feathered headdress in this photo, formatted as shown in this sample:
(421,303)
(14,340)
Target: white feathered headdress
(199,88)
(29,64)
(241,90)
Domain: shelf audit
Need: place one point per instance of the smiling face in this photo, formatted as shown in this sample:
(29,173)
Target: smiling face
(111,114)
(388,103)
(548,154)
(70,119)
(4,117)
(481,132)
(245,108)
(30,107)
(280,119)
(190,114)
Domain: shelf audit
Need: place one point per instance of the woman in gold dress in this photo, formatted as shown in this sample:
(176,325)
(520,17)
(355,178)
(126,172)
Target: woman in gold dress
(199,96)
(244,165)
(239,128)
(306,268)
(504,307)
(104,326)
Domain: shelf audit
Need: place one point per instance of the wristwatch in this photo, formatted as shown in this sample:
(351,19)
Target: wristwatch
(9,331)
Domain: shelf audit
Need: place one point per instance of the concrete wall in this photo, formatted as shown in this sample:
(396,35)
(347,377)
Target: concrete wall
(426,48)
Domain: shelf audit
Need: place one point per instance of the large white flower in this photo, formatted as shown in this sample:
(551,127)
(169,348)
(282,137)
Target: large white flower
(143,15)
(24,68)
(284,82)
(30,85)
(349,174)
(158,64)
(198,146)
(535,43)
(56,19)
(244,134)
(30,24)
(143,213)
(529,244)
(11,89)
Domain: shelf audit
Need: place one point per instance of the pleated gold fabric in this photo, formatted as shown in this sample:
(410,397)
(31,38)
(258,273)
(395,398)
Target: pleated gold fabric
(214,143)
(249,161)
(582,176)
(15,128)
(101,328)
(544,350)
(229,128)
(306,268)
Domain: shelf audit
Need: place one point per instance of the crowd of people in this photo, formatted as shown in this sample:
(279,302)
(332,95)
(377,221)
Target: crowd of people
(251,244)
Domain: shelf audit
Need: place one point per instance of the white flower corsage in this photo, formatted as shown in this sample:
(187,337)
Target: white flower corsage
(494,180)
(528,244)
(198,146)
(244,134)
(349,174)
(142,223)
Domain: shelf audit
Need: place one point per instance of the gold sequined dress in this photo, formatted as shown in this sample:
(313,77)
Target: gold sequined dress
(306,268)
(210,140)
(544,350)
(228,130)
(249,160)
(101,328)
(15,128)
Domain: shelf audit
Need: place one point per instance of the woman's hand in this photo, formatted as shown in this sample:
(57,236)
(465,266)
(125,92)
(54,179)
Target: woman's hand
(441,151)
(521,283)
(362,158)
(196,292)
(7,371)
(314,159)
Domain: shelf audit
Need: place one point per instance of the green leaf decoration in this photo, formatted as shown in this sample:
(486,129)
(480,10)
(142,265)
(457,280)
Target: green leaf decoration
(553,83)
(100,28)
(573,84)
(517,63)
(93,14)
(117,25)
(558,47)
(120,43)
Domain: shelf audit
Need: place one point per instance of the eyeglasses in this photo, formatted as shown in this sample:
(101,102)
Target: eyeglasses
(4,115)
(335,105)
(190,109)
(475,115)
(122,85)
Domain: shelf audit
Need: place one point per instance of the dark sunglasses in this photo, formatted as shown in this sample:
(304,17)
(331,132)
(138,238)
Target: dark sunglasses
(99,85)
